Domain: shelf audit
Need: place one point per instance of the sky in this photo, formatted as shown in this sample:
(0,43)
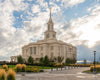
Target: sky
(76,22)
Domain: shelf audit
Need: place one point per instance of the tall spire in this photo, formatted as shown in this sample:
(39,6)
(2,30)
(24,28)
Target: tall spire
(50,19)
(50,12)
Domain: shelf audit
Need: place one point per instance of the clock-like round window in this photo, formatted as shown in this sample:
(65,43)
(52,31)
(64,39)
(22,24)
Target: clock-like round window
(53,35)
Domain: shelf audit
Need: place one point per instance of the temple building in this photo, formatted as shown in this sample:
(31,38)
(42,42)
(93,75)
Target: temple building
(49,46)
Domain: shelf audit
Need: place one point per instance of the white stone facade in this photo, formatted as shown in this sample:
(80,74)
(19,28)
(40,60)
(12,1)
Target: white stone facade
(49,46)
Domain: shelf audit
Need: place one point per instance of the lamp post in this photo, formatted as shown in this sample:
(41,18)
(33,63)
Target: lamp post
(94,62)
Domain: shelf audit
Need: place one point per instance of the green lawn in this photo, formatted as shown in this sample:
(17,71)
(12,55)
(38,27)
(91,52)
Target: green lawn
(40,67)
(88,71)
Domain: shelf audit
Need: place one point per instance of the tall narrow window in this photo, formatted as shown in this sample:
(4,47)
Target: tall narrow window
(48,27)
(34,50)
(26,51)
(51,47)
(70,49)
(41,54)
(41,48)
(52,55)
(73,56)
(59,54)
(30,50)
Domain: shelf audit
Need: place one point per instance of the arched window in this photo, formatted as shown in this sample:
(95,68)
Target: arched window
(47,35)
(48,27)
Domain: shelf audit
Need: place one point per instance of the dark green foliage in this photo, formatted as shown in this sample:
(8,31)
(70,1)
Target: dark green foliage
(3,77)
(41,71)
(51,64)
(23,69)
(10,77)
(20,59)
(73,61)
(46,60)
(30,60)
(70,61)
(60,59)
(41,60)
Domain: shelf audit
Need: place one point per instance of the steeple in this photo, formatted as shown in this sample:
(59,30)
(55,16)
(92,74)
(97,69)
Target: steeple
(50,33)
(50,22)
(50,19)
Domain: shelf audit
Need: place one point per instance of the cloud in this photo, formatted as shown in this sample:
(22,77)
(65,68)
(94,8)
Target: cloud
(85,30)
(35,24)
(9,38)
(71,3)
(35,9)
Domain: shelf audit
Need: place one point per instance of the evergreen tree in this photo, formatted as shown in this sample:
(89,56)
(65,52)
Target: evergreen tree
(68,61)
(41,60)
(20,59)
(46,60)
(30,60)
(60,59)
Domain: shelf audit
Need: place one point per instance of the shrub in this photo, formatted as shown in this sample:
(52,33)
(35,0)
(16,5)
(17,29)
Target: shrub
(11,75)
(60,59)
(58,64)
(2,74)
(23,67)
(18,67)
(51,64)
(81,65)
(97,68)
(5,67)
(41,71)
(20,59)
(68,61)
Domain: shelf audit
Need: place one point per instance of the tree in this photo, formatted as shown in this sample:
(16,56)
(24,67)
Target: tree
(85,61)
(55,59)
(68,61)
(60,59)
(20,59)
(30,60)
(41,60)
(73,61)
(46,60)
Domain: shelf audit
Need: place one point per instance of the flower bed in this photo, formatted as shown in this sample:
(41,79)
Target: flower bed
(32,69)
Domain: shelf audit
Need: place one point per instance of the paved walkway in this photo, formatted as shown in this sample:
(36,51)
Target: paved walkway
(71,74)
